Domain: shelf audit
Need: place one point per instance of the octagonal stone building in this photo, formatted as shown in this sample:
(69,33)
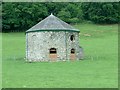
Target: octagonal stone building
(53,40)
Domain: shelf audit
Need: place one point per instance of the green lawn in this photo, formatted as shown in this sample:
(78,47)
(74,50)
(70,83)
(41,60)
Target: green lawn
(98,69)
(0,61)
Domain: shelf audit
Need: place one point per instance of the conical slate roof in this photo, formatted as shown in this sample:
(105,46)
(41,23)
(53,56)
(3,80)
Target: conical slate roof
(52,23)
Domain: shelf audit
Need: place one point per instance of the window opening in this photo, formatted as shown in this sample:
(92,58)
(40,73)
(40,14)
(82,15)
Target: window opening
(72,50)
(53,51)
(72,37)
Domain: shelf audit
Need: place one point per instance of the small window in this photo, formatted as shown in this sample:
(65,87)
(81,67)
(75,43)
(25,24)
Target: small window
(53,51)
(72,37)
(72,50)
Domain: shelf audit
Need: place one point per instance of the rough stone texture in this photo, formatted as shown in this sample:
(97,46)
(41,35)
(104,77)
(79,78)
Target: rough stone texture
(39,43)
(52,33)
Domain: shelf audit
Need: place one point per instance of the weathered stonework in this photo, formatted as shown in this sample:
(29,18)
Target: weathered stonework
(39,43)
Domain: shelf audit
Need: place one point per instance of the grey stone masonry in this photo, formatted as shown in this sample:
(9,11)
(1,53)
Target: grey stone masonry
(51,44)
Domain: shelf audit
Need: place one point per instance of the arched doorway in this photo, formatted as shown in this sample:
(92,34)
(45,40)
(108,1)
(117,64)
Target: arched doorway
(53,54)
(72,54)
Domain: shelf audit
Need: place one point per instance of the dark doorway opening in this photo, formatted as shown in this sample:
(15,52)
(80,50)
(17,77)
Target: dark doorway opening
(53,54)
(72,55)
(53,51)
(72,50)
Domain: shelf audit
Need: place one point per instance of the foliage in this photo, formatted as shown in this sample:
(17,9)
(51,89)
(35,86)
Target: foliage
(64,15)
(21,16)
(101,12)
(99,68)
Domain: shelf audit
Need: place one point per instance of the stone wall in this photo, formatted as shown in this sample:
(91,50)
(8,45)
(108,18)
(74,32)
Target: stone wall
(39,43)
(72,44)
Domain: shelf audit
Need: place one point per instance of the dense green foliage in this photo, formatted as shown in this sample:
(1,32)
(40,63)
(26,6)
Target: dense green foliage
(22,16)
(101,12)
(99,69)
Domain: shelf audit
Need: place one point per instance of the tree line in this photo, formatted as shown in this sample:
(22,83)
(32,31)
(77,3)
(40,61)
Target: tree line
(21,16)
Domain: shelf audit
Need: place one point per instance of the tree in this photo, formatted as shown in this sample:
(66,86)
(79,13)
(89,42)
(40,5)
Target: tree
(101,12)
(64,15)
(22,16)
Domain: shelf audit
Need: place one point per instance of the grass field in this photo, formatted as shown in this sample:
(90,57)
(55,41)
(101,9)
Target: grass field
(0,61)
(99,69)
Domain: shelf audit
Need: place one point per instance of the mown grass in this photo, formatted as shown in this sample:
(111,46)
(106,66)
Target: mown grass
(0,60)
(98,69)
